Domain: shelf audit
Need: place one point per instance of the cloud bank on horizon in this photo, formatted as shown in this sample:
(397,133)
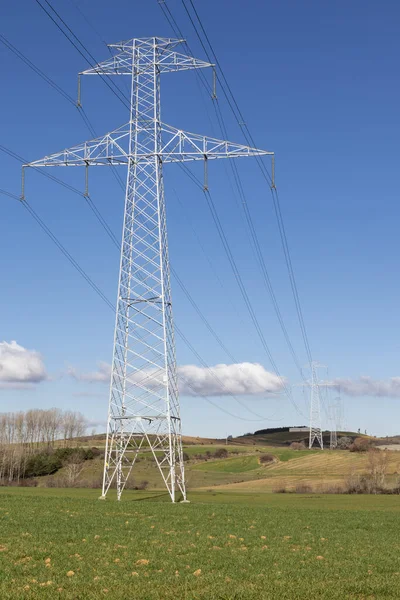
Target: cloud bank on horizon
(366,386)
(20,367)
(249,379)
(241,379)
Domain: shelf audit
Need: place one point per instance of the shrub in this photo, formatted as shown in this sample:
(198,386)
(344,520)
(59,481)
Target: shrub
(42,464)
(297,446)
(185,456)
(221,453)
(303,488)
(266,459)
(77,455)
(89,454)
(360,445)
(344,443)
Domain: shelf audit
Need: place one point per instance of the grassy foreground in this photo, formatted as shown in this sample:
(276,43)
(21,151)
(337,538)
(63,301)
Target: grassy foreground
(67,544)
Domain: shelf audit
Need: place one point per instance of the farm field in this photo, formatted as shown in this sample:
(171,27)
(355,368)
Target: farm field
(242,469)
(227,546)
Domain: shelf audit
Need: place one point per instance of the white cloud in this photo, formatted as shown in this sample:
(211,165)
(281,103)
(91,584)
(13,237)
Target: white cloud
(222,380)
(102,374)
(20,367)
(241,379)
(366,386)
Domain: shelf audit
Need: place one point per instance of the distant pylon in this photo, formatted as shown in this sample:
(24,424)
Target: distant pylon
(315,408)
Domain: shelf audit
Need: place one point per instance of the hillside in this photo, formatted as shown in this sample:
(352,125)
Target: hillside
(278,439)
(239,466)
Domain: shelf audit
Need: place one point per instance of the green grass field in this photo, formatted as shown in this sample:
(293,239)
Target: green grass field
(221,546)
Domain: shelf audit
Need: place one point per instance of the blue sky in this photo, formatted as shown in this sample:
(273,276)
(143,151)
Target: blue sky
(318,85)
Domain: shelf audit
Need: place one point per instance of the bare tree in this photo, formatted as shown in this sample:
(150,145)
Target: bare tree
(378,462)
(73,469)
(21,431)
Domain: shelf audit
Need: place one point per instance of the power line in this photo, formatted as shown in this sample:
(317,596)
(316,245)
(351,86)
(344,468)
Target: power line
(242,288)
(88,199)
(44,173)
(275,197)
(61,91)
(36,69)
(254,238)
(92,27)
(114,88)
(61,247)
(97,290)
(190,346)
(202,317)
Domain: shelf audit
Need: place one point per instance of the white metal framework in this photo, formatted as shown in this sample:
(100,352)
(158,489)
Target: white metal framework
(315,408)
(144,407)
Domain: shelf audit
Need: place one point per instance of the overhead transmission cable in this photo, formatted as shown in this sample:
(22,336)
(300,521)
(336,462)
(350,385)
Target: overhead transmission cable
(253,235)
(88,279)
(231,100)
(61,247)
(98,291)
(239,280)
(112,86)
(241,121)
(86,197)
(225,243)
(60,90)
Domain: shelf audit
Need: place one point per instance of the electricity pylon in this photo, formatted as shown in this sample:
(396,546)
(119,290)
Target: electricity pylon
(144,412)
(315,407)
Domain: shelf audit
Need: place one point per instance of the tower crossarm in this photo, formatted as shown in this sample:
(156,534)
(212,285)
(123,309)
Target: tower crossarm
(141,54)
(177,146)
(109,149)
(182,146)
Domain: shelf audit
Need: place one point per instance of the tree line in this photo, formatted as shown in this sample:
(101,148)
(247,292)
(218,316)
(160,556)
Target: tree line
(40,426)
(26,434)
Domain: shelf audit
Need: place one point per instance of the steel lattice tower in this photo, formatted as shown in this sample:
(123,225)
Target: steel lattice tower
(144,406)
(315,408)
